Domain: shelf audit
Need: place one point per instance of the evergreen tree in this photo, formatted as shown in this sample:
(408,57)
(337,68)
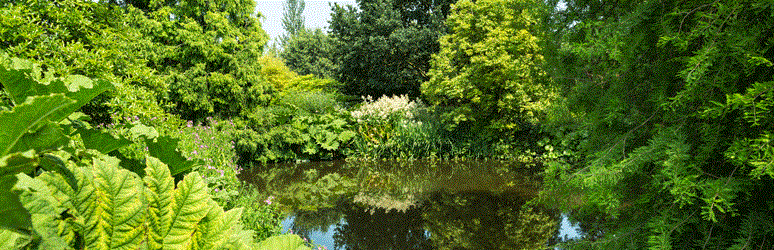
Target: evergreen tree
(310,52)
(384,46)
(676,98)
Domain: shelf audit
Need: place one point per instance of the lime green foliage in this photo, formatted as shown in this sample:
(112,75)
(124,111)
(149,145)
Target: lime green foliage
(284,242)
(289,83)
(113,208)
(488,68)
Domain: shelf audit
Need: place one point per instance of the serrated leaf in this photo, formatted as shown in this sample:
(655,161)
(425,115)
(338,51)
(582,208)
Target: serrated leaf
(118,210)
(101,141)
(45,207)
(164,148)
(55,164)
(190,207)
(160,186)
(283,242)
(216,232)
(27,116)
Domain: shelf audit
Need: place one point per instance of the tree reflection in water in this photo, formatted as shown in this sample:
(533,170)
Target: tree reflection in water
(374,228)
(483,220)
(460,220)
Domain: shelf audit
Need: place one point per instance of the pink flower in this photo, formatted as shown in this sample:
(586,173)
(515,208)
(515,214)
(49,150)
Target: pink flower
(194,152)
(268,201)
(217,190)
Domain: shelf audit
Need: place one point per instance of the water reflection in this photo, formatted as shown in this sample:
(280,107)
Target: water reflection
(368,228)
(378,205)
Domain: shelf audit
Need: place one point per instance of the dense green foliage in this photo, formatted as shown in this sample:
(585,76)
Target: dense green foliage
(651,121)
(488,68)
(310,52)
(384,46)
(674,98)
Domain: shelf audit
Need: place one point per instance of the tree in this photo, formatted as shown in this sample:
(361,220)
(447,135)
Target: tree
(676,99)
(384,46)
(292,19)
(310,52)
(489,67)
(209,57)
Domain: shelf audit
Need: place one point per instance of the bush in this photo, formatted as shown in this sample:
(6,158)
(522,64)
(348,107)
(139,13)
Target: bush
(310,137)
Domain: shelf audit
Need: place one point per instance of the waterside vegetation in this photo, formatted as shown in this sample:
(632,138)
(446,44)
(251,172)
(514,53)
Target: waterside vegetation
(127,124)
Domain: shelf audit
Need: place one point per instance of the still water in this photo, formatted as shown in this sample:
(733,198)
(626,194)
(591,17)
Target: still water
(378,204)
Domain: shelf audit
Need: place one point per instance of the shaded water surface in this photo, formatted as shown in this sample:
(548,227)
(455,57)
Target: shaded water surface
(412,204)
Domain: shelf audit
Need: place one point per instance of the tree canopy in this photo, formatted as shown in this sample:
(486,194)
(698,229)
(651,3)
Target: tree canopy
(384,46)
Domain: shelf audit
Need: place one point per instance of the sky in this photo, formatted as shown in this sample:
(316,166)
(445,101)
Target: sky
(316,15)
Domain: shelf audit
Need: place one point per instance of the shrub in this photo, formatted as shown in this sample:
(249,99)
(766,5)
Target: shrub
(314,136)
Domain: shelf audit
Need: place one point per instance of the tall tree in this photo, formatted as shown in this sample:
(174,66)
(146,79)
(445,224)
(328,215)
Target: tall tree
(310,53)
(292,19)
(676,98)
(489,67)
(384,46)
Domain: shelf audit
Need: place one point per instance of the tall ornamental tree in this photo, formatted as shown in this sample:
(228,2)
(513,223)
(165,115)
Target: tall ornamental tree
(488,71)
(384,46)
(292,19)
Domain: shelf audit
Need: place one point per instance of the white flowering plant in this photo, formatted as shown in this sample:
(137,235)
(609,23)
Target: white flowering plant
(377,120)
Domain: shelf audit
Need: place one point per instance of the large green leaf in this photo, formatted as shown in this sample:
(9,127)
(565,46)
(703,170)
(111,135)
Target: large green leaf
(283,242)
(8,239)
(53,163)
(118,212)
(82,90)
(14,216)
(48,137)
(101,141)
(16,75)
(45,208)
(190,207)
(17,78)
(164,149)
(160,186)
(27,116)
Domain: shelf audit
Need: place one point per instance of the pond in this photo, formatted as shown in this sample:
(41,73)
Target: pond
(419,204)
